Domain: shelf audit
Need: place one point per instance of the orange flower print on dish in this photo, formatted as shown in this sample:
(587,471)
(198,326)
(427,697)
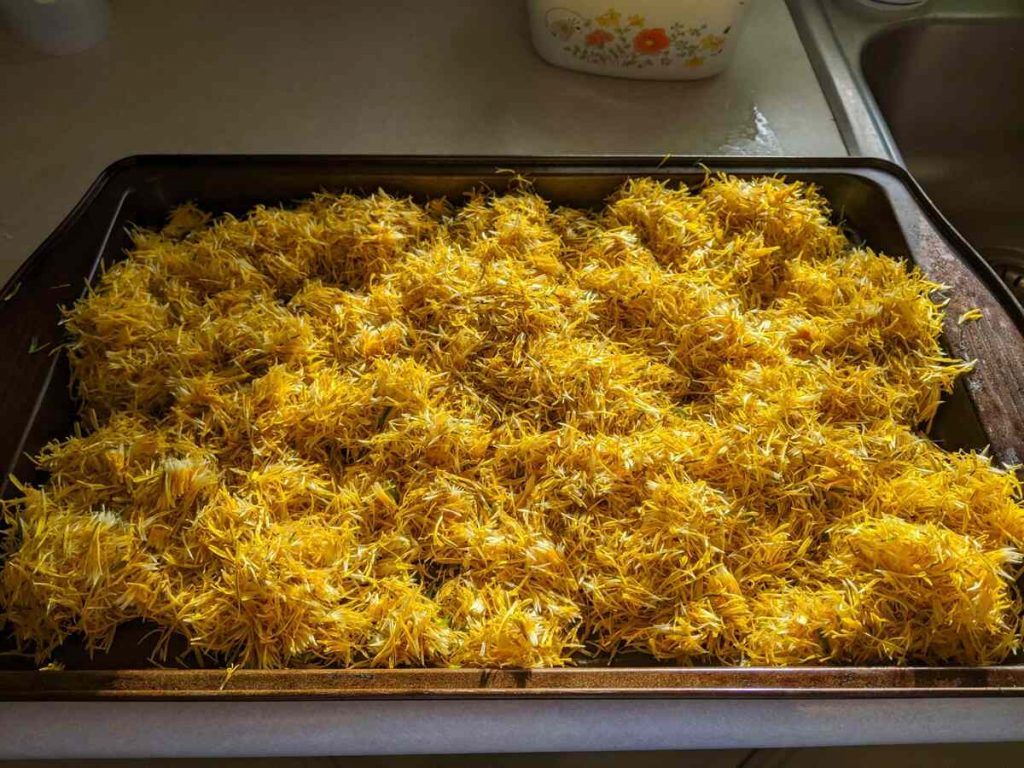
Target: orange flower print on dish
(651,41)
(622,38)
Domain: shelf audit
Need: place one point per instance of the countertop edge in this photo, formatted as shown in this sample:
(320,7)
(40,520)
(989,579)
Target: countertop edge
(239,729)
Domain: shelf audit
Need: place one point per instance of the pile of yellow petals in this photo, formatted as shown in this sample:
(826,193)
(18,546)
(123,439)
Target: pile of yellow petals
(372,432)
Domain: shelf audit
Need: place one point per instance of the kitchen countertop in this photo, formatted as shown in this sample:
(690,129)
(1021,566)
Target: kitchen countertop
(404,77)
(399,77)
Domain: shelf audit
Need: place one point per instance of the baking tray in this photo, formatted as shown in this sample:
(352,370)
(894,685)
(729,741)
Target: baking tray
(877,201)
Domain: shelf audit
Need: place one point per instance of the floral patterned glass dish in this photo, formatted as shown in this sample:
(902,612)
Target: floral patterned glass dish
(653,39)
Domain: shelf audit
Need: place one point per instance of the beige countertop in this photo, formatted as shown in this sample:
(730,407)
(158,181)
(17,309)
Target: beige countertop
(404,76)
(395,76)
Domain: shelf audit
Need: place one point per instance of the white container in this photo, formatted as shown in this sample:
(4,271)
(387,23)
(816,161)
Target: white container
(57,27)
(650,39)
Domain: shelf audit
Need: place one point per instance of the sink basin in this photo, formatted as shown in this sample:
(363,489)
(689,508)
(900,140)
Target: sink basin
(940,90)
(952,95)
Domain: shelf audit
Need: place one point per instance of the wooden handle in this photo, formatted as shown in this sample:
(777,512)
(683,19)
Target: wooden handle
(996,386)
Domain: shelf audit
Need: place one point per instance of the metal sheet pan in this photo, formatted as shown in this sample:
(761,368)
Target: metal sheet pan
(880,202)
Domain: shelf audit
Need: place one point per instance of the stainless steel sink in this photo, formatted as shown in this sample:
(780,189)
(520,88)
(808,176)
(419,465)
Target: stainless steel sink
(952,95)
(941,91)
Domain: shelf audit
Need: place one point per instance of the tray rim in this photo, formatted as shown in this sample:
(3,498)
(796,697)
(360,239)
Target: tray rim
(549,683)
(818,682)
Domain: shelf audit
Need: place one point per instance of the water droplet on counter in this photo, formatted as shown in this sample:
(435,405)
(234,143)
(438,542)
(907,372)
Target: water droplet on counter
(757,138)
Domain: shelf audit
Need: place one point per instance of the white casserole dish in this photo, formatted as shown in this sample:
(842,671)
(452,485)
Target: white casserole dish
(649,39)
